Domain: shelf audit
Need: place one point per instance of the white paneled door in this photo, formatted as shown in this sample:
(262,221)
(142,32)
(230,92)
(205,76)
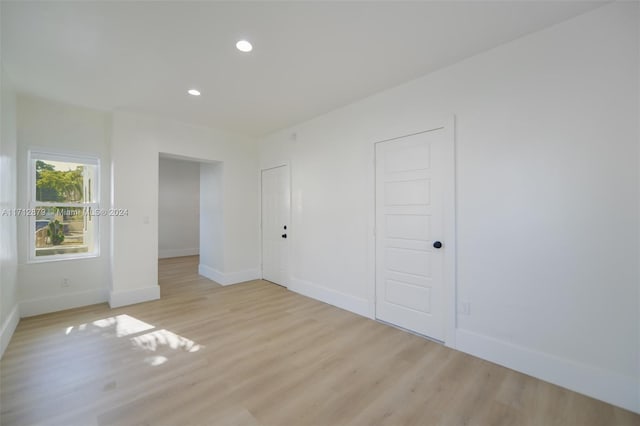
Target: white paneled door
(275,224)
(410,230)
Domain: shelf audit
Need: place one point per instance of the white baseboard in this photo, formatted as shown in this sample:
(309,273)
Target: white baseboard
(45,305)
(131,297)
(211,273)
(8,327)
(164,254)
(601,384)
(332,297)
(228,278)
(242,276)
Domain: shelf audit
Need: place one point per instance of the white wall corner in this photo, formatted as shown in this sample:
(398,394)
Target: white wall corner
(371,312)
(604,385)
(230,277)
(341,300)
(8,328)
(164,254)
(211,273)
(131,297)
(242,276)
(61,302)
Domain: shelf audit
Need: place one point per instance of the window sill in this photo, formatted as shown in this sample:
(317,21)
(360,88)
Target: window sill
(62,258)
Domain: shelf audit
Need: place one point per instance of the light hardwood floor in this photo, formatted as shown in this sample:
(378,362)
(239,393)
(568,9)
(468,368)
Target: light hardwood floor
(257,354)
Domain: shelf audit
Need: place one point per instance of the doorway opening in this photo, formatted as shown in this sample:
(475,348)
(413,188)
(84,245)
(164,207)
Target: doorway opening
(190,213)
(178,208)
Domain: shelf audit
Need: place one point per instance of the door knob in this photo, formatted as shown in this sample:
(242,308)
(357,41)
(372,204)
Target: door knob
(437,244)
(284,235)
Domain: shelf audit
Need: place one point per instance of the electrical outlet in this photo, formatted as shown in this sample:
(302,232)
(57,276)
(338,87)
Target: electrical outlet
(464,308)
(65,283)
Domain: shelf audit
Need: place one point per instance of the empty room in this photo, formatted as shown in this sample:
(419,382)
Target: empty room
(320,213)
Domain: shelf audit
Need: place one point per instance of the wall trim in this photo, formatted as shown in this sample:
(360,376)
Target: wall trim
(336,298)
(131,297)
(211,273)
(228,278)
(163,254)
(242,276)
(8,328)
(604,385)
(61,302)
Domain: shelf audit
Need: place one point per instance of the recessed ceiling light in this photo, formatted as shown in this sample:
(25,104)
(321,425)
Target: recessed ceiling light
(193,92)
(244,46)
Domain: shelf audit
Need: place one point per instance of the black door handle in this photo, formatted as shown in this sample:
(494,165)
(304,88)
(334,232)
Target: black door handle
(437,244)
(284,235)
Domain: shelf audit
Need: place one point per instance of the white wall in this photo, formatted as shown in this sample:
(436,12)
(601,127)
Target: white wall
(547,199)
(212,226)
(9,312)
(178,208)
(51,125)
(136,144)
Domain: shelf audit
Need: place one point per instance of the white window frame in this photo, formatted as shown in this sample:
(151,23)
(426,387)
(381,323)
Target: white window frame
(45,155)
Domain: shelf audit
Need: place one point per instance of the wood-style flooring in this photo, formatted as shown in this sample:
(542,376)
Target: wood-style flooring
(257,354)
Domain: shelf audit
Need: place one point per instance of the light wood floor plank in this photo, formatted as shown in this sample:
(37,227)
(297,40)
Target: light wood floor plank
(256,354)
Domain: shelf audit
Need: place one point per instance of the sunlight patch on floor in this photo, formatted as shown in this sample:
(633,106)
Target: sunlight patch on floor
(141,334)
(124,325)
(154,361)
(156,339)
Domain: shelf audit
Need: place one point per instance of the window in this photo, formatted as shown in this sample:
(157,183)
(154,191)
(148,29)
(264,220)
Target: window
(64,196)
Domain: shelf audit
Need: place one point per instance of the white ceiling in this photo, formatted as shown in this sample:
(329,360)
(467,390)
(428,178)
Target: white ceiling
(308,58)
